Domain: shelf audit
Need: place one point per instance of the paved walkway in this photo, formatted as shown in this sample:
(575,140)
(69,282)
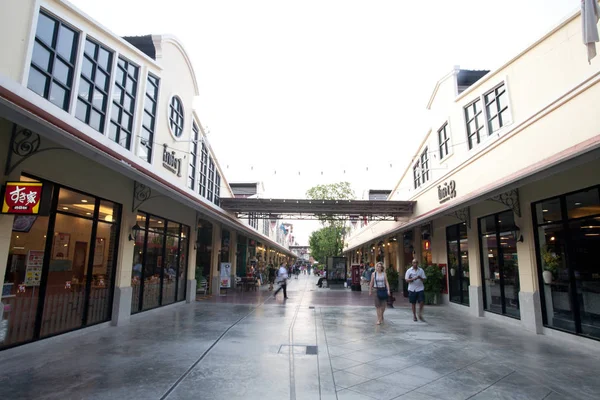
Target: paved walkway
(218,350)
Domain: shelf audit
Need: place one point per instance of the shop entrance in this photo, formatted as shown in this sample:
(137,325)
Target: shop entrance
(499,263)
(458,263)
(61,267)
(567,241)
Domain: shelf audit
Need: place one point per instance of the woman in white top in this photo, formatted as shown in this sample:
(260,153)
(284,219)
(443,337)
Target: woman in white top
(382,288)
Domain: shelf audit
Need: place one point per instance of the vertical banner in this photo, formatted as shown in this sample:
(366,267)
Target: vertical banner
(225,275)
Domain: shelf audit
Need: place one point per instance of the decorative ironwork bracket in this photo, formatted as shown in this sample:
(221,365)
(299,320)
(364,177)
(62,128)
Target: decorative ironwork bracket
(141,194)
(509,199)
(23,144)
(464,214)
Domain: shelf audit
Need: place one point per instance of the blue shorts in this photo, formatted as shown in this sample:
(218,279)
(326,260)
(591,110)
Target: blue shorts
(416,297)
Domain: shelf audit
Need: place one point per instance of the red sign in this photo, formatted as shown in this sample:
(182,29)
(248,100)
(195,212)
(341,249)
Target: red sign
(22,198)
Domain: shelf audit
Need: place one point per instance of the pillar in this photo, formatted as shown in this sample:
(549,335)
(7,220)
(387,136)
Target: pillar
(191,282)
(215,284)
(529,290)
(6,224)
(233,236)
(121,311)
(475,278)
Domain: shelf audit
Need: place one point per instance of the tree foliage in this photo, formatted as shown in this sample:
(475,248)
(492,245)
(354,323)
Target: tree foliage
(329,240)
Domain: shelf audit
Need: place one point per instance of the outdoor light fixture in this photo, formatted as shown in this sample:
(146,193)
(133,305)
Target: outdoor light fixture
(134,231)
(518,233)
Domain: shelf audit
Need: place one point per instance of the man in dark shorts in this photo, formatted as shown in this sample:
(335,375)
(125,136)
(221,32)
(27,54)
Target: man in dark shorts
(416,289)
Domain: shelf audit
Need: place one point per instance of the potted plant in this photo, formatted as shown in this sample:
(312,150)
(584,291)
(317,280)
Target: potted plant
(550,262)
(433,283)
(393,279)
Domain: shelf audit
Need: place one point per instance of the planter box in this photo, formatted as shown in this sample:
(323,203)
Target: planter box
(431,298)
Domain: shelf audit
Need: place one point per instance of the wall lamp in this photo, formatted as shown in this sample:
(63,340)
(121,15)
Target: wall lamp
(518,233)
(134,231)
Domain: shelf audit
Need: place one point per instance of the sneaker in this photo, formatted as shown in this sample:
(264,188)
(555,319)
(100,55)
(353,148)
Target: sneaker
(415,319)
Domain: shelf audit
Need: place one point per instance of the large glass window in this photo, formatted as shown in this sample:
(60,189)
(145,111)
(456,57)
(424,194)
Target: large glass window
(203,170)
(149,121)
(176,116)
(217,198)
(499,263)
(159,260)
(61,267)
(123,104)
(92,99)
(53,61)
(193,157)
(425,164)
(211,179)
(458,263)
(496,105)
(443,141)
(474,118)
(567,240)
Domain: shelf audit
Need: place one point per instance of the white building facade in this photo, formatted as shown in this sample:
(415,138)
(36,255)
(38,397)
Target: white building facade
(507,191)
(111,189)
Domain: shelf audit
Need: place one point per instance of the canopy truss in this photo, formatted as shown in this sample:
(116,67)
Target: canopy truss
(301,209)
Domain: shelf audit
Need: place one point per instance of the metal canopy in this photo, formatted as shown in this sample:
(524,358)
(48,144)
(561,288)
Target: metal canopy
(374,210)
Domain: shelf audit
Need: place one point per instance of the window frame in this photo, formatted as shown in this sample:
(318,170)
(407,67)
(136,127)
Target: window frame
(217,191)
(211,179)
(118,120)
(91,81)
(417,174)
(51,48)
(193,165)
(499,113)
(180,113)
(478,128)
(203,170)
(149,142)
(424,159)
(446,143)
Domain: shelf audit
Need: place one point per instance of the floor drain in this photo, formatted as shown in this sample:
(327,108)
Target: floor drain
(311,307)
(299,349)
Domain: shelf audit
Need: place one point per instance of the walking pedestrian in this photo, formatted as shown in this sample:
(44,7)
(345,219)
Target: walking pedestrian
(380,283)
(282,276)
(272,274)
(416,289)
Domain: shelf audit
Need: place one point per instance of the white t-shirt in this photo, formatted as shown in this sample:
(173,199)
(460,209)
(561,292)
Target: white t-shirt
(415,286)
(283,273)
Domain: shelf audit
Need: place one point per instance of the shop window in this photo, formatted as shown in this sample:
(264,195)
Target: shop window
(176,116)
(567,251)
(193,157)
(496,106)
(474,119)
(159,262)
(53,61)
(499,263)
(92,98)
(61,268)
(458,263)
(123,104)
(149,120)
(443,141)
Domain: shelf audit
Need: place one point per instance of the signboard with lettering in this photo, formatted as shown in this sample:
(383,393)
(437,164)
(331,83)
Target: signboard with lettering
(22,198)
(447,191)
(171,162)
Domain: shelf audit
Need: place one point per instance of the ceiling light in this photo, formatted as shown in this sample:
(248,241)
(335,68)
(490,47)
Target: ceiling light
(577,204)
(160,222)
(84,201)
(592,234)
(88,213)
(544,210)
(17,236)
(65,208)
(552,239)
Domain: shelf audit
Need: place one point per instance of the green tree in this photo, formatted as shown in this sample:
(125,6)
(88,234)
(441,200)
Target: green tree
(329,240)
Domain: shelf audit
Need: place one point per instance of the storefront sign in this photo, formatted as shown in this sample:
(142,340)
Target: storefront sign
(171,162)
(447,191)
(225,275)
(22,198)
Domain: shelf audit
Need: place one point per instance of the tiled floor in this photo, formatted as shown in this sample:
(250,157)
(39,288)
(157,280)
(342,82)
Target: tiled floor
(221,350)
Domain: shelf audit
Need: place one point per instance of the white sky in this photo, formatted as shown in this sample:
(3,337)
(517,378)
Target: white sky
(325,86)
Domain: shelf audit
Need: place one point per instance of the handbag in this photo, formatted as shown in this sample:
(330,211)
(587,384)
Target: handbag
(381,292)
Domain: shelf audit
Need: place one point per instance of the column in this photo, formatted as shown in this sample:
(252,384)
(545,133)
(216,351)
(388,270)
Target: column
(6,224)
(475,278)
(191,282)
(529,291)
(233,256)
(121,311)
(215,284)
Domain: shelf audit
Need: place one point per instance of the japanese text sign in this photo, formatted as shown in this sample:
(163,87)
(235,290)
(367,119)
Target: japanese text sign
(22,198)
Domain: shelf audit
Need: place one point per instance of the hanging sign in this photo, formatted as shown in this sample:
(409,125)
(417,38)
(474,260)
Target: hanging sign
(447,191)
(22,198)
(225,275)
(171,162)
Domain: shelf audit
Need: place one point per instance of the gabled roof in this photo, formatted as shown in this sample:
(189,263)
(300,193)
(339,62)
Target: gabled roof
(143,43)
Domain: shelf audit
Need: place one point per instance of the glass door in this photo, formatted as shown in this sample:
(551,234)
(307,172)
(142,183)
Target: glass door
(458,263)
